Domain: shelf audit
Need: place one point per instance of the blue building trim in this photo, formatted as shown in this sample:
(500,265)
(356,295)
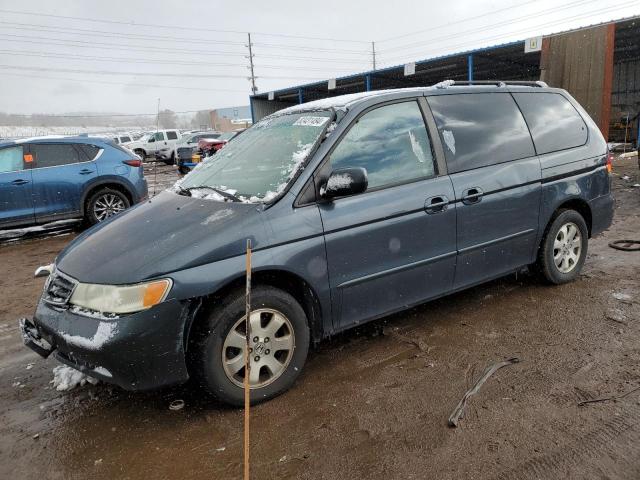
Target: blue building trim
(470,67)
(367,82)
(300,96)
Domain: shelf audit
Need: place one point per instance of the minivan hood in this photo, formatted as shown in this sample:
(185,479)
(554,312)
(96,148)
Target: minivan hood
(167,233)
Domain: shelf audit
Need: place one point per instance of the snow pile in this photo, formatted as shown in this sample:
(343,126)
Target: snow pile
(21,232)
(67,378)
(290,170)
(105,332)
(445,84)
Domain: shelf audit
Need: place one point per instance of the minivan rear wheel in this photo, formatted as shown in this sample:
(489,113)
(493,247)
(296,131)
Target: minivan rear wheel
(564,248)
(105,203)
(278,346)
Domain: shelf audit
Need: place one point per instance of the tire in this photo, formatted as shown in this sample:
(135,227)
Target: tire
(183,170)
(560,259)
(104,204)
(171,160)
(141,153)
(217,334)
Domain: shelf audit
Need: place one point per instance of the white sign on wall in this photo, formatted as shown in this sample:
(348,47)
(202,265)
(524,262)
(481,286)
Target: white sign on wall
(332,84)
(409,69)
(533,44)
(271,96)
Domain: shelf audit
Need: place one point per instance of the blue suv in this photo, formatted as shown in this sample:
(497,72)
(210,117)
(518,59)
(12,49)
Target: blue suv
(46,179)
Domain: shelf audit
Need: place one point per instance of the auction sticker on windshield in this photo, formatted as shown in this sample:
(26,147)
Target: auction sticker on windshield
(311,121)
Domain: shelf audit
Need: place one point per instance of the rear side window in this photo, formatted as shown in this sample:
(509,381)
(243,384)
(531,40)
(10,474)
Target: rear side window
(172,136)
(54,155)
(554,123)
(11,159)
(390,142)
(125,139)
(158,136)
(480,129)
(89,152)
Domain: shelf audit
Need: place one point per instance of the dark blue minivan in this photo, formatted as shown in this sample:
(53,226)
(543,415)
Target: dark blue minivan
(357,206)
(47,179)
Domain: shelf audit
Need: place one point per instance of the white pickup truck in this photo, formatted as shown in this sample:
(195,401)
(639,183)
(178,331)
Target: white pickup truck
(152,143)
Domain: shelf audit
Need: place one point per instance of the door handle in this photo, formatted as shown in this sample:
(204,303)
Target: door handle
(85,171)
(472,195)
(19,181)
(436,204)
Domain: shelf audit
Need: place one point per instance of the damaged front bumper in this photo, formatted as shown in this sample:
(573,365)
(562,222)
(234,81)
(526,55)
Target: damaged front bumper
(141,351)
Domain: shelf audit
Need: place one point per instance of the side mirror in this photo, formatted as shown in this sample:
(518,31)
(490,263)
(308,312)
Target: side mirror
(345,181)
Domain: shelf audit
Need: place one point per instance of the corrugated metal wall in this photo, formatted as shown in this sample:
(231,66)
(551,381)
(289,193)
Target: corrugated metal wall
(582,63)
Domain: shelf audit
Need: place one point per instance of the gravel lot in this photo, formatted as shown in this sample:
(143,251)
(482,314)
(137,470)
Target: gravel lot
(372,403)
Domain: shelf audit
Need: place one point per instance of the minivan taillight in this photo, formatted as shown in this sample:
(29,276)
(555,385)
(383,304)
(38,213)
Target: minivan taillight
(609,162)
(133,163)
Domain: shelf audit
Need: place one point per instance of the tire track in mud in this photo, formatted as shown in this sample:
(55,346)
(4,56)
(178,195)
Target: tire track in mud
(617,440)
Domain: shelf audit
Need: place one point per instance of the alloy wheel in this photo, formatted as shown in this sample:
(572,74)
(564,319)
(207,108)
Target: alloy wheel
(567,247)
(271,348)
(108,205)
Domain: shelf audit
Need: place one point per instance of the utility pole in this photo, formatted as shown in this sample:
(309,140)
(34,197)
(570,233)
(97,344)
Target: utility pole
(254,89)
(158,117)
(373,50)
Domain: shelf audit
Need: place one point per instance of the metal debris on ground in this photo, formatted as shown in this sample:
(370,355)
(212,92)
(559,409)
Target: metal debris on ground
(176,405)
(458,412)
(606,399)
(626,245)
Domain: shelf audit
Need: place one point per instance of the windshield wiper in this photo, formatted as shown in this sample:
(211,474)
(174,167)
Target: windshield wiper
(187,192)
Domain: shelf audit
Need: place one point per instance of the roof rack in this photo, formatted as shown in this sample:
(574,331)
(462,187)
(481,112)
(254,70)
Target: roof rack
(497,83)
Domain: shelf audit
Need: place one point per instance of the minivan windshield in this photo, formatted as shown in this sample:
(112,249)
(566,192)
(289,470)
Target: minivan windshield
(257,165)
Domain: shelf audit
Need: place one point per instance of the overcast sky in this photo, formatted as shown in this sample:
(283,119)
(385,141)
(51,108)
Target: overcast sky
(138,51)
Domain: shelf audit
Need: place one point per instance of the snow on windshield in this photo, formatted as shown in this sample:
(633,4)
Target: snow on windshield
(258,165)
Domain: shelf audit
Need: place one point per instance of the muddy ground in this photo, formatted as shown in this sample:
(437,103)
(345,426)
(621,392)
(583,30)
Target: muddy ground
(369,404)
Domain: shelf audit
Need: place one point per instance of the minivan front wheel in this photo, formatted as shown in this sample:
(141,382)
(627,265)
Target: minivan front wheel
(104,204)
(279,342)
(564,248)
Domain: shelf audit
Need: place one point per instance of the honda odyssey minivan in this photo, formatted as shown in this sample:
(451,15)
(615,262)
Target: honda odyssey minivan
(357,206)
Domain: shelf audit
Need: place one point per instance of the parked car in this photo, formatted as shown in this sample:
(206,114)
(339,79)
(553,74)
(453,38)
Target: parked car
(149,146)
(122,138)
(357,206)
(46,179)
(188,158)
(190,141)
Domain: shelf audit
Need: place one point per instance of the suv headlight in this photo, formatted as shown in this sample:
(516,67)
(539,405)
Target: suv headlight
(120,299)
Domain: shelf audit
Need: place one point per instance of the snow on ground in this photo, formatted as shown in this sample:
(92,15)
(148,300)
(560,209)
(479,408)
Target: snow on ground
(67,378)
(21,132)
(21,232)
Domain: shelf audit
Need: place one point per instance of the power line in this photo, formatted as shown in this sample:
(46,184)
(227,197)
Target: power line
(164,50)
(467,19)
(532,28)
(164,38)
(172,27)
(144,61)
(542,13)
(105,82)
(149,74)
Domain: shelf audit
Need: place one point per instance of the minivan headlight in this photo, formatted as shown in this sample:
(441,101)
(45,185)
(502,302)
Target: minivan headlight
(120,299)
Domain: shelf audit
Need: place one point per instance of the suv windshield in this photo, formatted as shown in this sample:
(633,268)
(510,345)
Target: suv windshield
(258,165)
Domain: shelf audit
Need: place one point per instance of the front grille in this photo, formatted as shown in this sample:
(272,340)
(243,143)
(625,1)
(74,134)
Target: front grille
(58,289)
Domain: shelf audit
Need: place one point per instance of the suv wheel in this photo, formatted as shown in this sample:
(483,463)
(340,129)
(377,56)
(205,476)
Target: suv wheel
(105,203)
(278,346)
(141,154)
(564,248)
